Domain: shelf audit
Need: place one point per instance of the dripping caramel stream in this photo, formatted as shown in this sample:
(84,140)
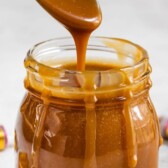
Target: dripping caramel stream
(79,17)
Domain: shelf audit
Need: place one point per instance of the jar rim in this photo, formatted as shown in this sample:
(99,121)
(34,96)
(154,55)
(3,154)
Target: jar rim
(31,54)
(65,83)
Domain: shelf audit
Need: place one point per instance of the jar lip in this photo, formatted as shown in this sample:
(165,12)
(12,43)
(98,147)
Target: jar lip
(30,56)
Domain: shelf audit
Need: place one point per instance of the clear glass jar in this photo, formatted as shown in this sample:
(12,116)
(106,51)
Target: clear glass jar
(100,118)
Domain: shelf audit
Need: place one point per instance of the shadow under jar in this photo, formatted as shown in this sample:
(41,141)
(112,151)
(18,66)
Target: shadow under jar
(100,118)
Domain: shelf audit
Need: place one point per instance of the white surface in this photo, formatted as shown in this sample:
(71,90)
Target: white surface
(25,23)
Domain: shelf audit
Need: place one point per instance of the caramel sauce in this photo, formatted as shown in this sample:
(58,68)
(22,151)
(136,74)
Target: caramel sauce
(93,129)
(80,18)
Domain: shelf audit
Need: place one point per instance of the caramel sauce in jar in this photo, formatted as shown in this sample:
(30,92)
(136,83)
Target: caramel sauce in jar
(102,117)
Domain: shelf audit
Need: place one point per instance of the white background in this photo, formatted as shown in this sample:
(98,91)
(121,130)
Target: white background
(25,23)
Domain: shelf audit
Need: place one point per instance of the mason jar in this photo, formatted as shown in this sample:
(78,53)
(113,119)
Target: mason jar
(99,118)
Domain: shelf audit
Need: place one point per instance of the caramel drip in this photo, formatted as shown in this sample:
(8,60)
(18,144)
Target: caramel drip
(81,41)
(23,160)
(27,80)
(38,134)
(131,141)
(130,136)
(39,130)
(90,131)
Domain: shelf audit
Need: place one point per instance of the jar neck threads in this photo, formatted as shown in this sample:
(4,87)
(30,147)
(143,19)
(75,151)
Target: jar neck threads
(128,68)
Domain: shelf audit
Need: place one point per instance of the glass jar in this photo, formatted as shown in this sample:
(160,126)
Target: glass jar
(100,118)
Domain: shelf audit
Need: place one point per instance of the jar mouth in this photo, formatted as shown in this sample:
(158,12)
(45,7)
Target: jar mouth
(45,71)
(121,46)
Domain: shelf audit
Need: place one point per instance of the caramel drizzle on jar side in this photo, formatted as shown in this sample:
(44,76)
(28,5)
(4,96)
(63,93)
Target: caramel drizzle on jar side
(131,141)
(39,126)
